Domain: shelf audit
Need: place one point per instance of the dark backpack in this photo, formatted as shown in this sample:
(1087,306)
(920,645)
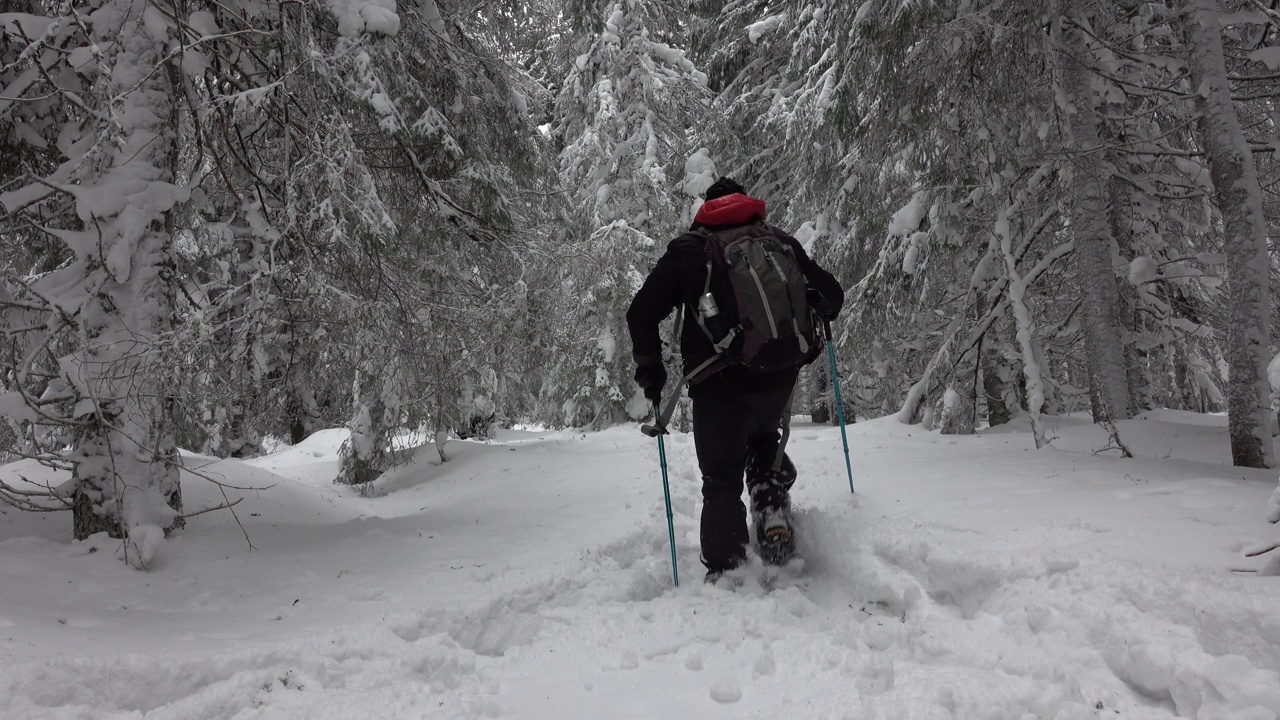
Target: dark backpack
(753,306)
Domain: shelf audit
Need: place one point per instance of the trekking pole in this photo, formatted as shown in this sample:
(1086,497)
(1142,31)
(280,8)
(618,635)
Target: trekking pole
(835,384)
(666,492)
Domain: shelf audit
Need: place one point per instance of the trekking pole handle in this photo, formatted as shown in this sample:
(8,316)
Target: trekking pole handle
(658,427)
(653,430)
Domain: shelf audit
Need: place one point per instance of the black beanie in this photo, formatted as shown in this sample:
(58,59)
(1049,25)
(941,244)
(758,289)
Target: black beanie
(723,186)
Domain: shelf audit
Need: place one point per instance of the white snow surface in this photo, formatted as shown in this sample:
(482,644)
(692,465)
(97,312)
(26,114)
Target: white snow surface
(530,577)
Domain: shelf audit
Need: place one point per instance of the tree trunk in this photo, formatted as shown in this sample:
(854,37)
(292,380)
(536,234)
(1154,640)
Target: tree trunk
(126,458)
(993,389)
(820,402)
(240,380)
(1273,376)
(1183,378)
(955,412)
(1099,321)
(364,456)
(1136,366)
(1239,199)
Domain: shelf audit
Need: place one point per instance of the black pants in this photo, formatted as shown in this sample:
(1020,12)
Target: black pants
(733,434)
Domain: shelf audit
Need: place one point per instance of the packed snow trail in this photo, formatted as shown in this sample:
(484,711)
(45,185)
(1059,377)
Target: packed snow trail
(969,578)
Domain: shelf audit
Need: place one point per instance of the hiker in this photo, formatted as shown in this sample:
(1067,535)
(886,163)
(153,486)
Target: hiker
(741,382)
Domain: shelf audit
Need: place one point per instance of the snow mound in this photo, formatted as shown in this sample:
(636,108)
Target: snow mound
(141,547)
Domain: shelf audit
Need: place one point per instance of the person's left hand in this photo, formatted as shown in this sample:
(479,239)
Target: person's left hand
(820,305)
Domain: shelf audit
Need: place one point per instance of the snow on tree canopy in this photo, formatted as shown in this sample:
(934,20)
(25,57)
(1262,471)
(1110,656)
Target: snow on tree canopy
(204,22)
(14,407)
(360,16)
(1208,386)
(1269,56)
(757,29)
(863,11)
(1143,270)
(1195,171)
(914,245)
(17,24)
(699,173)
(806,234)
(1273,372)
(908,218)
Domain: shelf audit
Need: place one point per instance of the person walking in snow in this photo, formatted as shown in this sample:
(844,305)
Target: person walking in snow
(740,378)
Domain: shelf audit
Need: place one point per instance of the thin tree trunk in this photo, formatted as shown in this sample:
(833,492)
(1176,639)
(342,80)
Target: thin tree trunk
(820,409)
(1016,292)
(1239,198)
(1100,321)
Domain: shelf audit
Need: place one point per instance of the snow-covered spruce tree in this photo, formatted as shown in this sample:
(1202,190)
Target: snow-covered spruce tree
(27,147)
(113,297)
(625,119)
(358,174)
(972,224)
(785,113)
(834,110)
(1157,195)
(938,179)
(441,136)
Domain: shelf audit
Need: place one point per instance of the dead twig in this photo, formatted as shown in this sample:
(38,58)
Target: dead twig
(1113,440)
(215,507)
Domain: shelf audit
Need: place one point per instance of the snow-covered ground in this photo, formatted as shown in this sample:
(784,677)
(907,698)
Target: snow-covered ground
(529,577)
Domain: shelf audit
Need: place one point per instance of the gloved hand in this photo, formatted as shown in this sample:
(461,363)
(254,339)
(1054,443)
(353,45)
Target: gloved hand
(825,310)
(651,377)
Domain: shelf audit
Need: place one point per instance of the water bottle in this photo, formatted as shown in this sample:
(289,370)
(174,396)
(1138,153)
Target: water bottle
(711,317)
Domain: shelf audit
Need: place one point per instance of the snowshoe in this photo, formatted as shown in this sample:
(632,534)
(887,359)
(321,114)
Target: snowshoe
(775,536)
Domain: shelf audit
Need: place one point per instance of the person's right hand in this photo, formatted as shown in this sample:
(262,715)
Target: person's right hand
(652,378)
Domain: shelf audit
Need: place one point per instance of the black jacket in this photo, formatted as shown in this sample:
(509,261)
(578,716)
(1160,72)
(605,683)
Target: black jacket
(680,276)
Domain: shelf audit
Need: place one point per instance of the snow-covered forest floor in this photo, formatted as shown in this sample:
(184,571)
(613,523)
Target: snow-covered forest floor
(969,577)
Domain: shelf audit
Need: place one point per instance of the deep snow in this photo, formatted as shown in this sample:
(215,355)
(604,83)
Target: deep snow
(529,577)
